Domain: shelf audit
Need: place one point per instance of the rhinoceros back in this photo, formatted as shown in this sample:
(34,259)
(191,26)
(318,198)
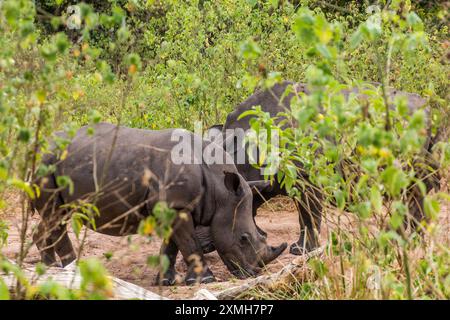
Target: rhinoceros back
(124,172)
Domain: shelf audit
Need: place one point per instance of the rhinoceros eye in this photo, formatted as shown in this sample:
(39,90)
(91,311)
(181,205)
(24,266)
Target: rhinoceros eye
(245,238)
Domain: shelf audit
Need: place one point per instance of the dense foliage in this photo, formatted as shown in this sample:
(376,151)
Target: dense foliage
(159,64)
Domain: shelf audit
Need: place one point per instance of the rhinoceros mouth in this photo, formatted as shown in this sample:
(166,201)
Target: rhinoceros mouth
(239,270)
(243,269)
(243,274)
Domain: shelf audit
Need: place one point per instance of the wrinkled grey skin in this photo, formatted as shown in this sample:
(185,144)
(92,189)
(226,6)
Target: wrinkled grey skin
(309,206)
(132,176)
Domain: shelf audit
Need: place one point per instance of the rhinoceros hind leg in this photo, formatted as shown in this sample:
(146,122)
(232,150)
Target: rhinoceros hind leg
(51,234)
(184,235)
(51,242)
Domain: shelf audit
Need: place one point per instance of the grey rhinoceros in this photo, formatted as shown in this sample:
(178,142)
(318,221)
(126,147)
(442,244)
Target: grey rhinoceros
(125,172)
(275,100)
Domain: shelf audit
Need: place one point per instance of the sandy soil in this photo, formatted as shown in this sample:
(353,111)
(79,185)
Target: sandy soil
(129,254)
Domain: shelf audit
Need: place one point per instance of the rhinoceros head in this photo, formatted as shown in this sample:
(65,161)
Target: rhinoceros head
(242,248)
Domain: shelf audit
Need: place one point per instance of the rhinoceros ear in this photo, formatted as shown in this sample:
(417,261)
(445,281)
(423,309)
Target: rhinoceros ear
(260,186)
(214,132)
(232,181)
(217,127)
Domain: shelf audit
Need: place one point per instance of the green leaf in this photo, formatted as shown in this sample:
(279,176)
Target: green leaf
(371,29)
(431,207)
(49,52)
(118,14)
(4,290)
(414,21)
(370,165)
(323,49)
(384,238)
(250,50)
(108,255)
(339,195)
(24,135)
(304,26)
(64,182)
(12,12)
(23,186)
(94,116)
(319,267)
(376,199)
(356,39)
(26,29)
(153,261)
(395,180)
(249,113)
(363,209)
(3,231)
(133,59)
(95,280)
(3,173)
(274,3)
(398,214)
(61,42)
(422,187)
(77,224)
(40,268)
(56,22)
(52,289)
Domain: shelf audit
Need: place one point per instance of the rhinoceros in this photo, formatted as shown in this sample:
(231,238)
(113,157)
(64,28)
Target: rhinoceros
(125,172)
(275,100)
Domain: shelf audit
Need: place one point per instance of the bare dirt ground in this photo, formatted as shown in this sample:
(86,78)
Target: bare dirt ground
(128,262)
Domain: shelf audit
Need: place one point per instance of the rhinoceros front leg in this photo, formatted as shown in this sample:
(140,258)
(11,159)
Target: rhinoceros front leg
(184,237)
(169,277)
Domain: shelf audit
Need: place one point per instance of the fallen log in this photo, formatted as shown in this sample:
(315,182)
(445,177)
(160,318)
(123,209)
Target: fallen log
(296,269)
(70,278)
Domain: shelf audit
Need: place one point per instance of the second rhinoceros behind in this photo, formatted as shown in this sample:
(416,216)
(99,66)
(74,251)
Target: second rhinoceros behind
(125,172)
(277,100)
